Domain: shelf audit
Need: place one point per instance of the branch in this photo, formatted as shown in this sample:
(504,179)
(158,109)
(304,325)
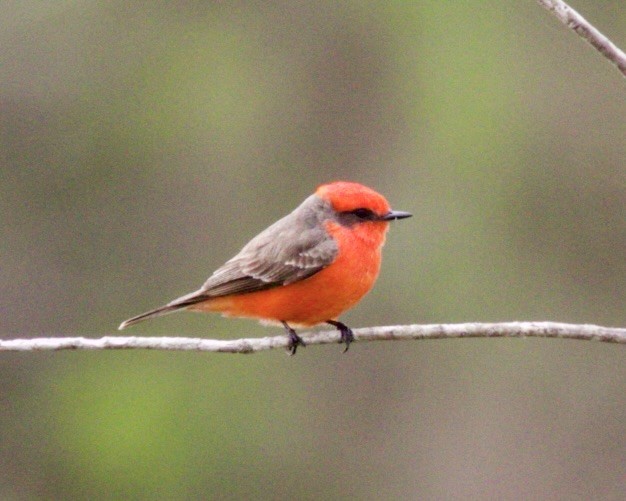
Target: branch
(390,333)
(587,31)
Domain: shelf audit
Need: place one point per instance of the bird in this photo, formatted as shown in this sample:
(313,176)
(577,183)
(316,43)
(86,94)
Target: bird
(305,269)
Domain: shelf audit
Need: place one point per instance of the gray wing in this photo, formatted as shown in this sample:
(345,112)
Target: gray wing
(292,249)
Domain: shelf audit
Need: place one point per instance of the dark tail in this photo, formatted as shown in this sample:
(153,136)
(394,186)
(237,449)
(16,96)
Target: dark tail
(178,304)
(163,310)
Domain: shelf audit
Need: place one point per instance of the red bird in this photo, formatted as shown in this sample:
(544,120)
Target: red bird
(305,269)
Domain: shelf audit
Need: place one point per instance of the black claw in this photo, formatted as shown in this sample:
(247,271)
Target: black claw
(347,336)
(294,339)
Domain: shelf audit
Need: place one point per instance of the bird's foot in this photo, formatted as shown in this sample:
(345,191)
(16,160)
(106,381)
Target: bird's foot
(294,339)
(347,336)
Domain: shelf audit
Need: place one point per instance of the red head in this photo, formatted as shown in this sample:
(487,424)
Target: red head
(346,196)
(359,212)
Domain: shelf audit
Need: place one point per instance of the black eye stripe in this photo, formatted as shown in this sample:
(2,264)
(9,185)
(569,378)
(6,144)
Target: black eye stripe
(363,214)
(355,216)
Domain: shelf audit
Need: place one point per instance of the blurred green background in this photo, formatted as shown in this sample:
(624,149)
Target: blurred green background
(143,143)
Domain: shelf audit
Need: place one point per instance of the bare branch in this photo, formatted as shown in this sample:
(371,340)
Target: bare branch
(587,31)
(398,333)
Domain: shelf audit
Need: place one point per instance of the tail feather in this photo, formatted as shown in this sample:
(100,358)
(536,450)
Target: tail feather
(163,310)
(178,304)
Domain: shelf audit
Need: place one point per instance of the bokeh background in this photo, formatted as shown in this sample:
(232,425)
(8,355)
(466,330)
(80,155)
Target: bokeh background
(143,143)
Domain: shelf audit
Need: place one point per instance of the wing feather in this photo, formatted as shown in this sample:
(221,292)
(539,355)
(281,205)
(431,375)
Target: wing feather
(292,249)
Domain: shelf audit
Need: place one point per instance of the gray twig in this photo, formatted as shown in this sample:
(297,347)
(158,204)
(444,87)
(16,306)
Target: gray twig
(397,333)
(586,31)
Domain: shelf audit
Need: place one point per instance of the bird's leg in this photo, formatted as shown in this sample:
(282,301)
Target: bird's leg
(294,339)
(347,336)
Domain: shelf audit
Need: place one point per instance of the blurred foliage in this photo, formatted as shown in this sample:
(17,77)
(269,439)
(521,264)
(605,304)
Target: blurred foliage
(143,143)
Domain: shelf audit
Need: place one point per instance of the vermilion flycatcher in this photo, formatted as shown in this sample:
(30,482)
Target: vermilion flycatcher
(305,269)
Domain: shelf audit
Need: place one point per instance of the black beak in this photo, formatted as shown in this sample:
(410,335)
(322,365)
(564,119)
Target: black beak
(395,214)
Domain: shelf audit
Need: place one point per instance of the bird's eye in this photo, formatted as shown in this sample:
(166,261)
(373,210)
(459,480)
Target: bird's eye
(357,216)
(364,214)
